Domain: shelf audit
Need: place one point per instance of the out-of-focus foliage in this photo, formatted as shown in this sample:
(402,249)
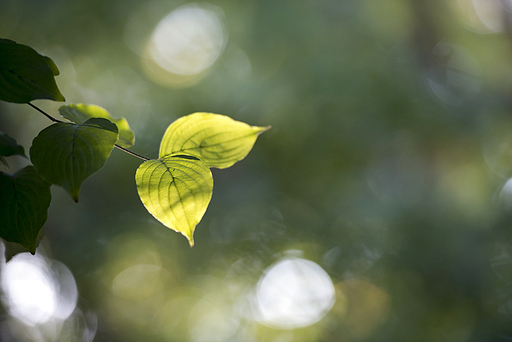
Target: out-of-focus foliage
(384,181)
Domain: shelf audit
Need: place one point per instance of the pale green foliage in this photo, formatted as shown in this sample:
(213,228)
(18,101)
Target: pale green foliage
(66,154)
(176,190)
(25,198)
(80,113)
(217,140)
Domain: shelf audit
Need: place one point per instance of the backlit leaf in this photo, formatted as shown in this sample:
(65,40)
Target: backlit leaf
(9,146)
(24,202)
(26,75)
(80,113)
(176,190)
(217,140)
(66,154)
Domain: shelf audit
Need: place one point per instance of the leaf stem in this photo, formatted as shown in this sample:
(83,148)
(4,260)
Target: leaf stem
(44,113)
(130,152)
(57,120)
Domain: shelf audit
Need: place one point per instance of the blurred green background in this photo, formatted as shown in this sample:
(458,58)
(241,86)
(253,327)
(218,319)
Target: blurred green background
(377,208)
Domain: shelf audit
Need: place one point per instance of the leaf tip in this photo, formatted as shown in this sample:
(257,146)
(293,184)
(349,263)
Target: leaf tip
(190,239)
(264,129)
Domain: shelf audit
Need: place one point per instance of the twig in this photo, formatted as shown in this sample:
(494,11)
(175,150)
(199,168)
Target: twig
(57,120)
(130,152)
(45,114)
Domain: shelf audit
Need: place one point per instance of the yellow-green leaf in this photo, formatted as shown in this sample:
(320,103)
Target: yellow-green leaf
(80,113)
(66,154)
(217,140)
(176,190)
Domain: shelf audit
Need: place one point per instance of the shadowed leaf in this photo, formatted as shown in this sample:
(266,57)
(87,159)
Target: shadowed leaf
(26,75)
(80,113)
(66,154)
(9,146)
(24,201)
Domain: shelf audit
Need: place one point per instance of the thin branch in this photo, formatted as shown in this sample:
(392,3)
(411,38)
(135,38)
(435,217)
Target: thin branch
(45,114)
(57,120)
(130,152)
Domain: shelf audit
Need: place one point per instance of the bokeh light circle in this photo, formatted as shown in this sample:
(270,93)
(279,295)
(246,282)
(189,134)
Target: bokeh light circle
(185,44)
(35,292)
(293,293)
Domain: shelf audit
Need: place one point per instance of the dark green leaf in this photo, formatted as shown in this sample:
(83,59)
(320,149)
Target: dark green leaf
(24,201)
(176,190)
(26,75)
(9,146)
(66,154)
(79,113)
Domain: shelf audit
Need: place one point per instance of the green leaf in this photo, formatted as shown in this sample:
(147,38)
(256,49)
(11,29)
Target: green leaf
(79,113)
(66,154)
(26,75)
(24,202)
(9,146)
(217,140)
(176,190)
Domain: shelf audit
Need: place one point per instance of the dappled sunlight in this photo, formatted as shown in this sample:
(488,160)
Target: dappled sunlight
(127,91)
(206,311)
(454,322)
(365,309)
(497,146)
(35,291)
(41,297)
(481,16)
(395,173)
(363,242)
(378,13)
(454,76)
(137,281)
(184,45)
(238,64)
(377,208)
(463,181)
(501,261)
(505,196)
(213,319)
(293,293)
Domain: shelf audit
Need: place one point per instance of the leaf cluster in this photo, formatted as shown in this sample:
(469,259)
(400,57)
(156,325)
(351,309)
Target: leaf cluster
(176,188)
